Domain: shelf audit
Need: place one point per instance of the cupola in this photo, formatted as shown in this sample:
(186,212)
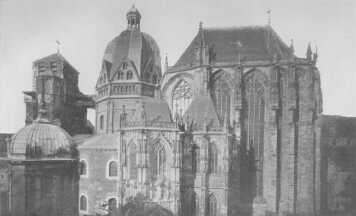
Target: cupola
(133,18)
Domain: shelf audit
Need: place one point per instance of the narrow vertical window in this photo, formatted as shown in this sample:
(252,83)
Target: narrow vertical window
(133,161)
(212,208)
(83,168)
(129,75)
(213,159)
(101,122)
(83,203)
(181,98)
(255,94)
(221,96)
(113,169)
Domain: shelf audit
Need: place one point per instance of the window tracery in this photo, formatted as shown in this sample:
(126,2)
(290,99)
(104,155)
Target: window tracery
(221,97)
(212,206)
(181,98)
(158,161)
(255,93)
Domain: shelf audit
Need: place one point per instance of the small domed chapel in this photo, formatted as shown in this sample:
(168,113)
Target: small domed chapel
(232,128)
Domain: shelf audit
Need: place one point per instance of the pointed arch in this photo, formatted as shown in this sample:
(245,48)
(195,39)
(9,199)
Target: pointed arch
(222,93)
(212,205)
(182,96)
(160,157)
(256,91)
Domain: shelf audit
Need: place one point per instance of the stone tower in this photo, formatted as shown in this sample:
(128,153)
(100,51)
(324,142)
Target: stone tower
(55,85)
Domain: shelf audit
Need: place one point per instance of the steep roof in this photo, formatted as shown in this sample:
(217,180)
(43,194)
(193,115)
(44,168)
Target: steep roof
(132,45)
(252,43)
(157,110)
(202,112)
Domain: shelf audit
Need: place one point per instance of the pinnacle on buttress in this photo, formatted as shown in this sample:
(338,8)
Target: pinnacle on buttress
(309,53)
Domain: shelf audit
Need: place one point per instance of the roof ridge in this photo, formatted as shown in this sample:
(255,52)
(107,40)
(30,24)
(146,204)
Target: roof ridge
(236,27)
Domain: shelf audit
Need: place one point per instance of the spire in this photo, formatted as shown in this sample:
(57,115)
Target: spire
(291,46)
(309,52)
(133,18)
(315,55)
(269,11)
(58,46)
(166,63)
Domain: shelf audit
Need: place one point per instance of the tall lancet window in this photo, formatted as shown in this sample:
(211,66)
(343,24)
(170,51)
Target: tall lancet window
(181,98)
(132,161)
(158,161)
(255,93)
(221,96)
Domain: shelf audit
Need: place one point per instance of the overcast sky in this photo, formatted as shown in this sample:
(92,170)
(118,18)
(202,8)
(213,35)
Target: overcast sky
(29,29)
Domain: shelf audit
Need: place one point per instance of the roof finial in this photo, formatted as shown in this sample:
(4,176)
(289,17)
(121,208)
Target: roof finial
(309,52)
(315,55)
(166,62)
(269,11)
(200,25)
(291,47)
(58,45)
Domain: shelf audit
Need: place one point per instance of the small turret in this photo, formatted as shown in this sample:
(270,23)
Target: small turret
(309,53)
(133,18)
(291,46)
(315,55)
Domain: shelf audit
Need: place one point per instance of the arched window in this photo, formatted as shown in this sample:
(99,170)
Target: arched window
(161,162)
(129,75)
(213,207)
(154,79)
(83,168)
(133,161)
(158,161)
(255,94)
(101,122)
(195,158)
(120,75)
(181,98)
(112,169)
(112,204)
(213,159)
(221,96)
(83,205)
(124,66)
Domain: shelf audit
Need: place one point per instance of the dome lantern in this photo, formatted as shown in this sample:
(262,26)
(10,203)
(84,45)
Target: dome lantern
(133,18)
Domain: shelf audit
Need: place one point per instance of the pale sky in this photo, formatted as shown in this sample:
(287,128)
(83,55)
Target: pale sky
(29,29)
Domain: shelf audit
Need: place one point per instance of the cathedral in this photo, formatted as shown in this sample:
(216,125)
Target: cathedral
(234,127)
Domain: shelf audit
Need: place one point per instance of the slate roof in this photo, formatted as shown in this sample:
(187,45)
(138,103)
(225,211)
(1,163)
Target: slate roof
(202,112)
(157,110)
(132,45)
(252,43)
(102,141)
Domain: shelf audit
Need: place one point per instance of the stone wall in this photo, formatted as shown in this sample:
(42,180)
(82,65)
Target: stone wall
(338,159)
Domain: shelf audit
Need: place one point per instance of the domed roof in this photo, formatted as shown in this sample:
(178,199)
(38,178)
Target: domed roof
(135,46)
(41,139)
